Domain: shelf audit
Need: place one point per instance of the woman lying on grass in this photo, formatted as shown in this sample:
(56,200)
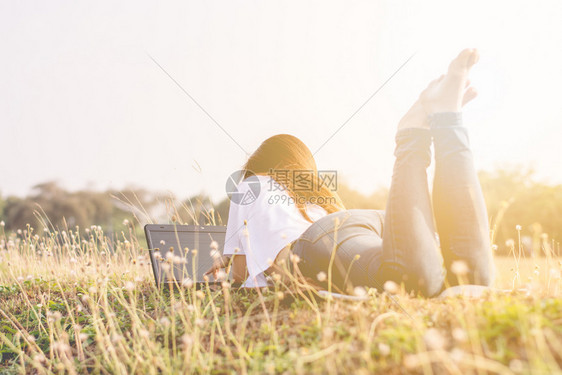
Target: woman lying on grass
(302,227)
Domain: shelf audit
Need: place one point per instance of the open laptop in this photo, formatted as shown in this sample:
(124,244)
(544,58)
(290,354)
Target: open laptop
(171,249)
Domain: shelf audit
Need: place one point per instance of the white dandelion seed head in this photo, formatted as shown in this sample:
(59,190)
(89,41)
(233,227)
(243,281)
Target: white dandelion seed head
(2,223)
(518,227)
(165,267)
(200,294)
(321,276)
(295,258)
(165,321)
(215,254)
(126,222)
(187,282)
(434,339)
(459,335)
(162,242)
(221,275)
(391,287)
(384,349)
(144,333)
(130,286)
(214,245)
(359,291)
(459,268)
(187,340)
(510,243)
(494,247)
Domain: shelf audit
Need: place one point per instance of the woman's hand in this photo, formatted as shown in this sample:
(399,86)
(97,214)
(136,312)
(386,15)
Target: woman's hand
(218,264)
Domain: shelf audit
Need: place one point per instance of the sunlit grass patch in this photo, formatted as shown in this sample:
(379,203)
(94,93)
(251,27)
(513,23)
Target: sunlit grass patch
(77,304)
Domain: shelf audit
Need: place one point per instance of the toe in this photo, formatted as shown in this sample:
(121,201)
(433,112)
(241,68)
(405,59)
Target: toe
(466,58)
(470,94)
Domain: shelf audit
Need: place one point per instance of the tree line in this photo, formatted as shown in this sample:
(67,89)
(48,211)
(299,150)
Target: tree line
(514,199)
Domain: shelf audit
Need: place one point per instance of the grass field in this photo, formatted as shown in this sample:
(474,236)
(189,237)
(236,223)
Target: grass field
(74,305)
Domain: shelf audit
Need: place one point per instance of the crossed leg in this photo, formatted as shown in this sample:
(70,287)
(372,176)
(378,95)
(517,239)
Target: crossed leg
(410,248)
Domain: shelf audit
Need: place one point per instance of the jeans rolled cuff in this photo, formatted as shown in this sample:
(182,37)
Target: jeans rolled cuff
(445,119)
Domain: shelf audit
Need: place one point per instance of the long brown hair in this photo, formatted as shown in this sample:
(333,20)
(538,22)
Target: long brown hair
(289,155)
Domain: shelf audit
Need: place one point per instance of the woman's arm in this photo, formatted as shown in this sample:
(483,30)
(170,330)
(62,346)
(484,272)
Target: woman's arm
(239,270)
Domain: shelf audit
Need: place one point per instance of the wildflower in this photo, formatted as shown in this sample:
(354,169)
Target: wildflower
(2,223)
(321,276)
(384,349)
(162,242)
(126,222)
(115,338)
(494,247)
(39,358)
(221,275)
(518,227)
(359,291)
(510,243)
(165,267)
(459,268)
(165,321)
(214,245)
(459,335)
(390,287)
(434,339)
(280,295)
(19,230)
(276,277)
(215,254)
(187,282)
(144,333)
(130,286)
(295,258)
(200,294)
(186,340)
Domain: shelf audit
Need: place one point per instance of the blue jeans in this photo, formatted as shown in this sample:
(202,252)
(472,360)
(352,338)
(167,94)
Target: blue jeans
(401,244)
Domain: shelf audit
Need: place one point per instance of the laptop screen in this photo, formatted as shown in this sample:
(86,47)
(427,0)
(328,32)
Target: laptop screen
(183,253)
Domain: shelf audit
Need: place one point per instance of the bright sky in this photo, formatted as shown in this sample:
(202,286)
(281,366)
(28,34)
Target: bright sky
(81,101)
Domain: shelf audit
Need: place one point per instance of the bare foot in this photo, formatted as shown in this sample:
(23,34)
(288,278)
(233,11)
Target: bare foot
(448,93)
(451,91)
